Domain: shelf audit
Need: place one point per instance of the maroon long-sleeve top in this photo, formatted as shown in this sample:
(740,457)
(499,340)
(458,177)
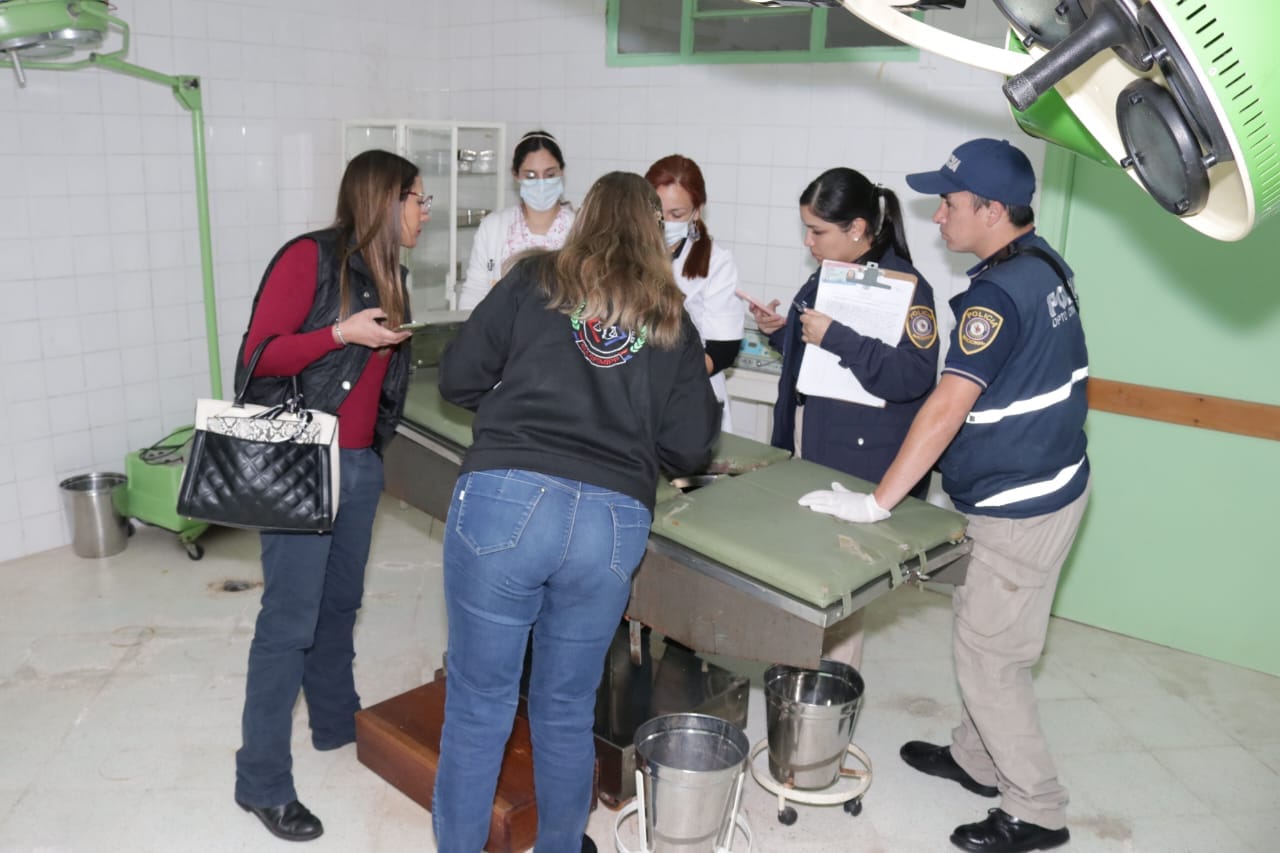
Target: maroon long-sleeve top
(285,302)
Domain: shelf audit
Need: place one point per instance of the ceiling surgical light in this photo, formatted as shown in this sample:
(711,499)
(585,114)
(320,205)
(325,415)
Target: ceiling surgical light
(47,30)
(1185,96)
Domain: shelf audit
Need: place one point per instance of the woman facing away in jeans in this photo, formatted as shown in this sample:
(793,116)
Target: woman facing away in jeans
(331,301)
(587,377)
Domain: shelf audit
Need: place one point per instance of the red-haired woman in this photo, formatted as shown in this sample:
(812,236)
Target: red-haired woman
(704,270)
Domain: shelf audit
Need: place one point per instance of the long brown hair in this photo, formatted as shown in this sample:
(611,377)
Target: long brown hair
(368,223)
(680,170)
(615,262)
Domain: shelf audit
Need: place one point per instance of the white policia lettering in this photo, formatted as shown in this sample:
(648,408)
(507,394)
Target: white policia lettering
(1061,306)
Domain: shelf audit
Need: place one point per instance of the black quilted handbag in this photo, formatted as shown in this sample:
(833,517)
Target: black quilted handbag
(262,467)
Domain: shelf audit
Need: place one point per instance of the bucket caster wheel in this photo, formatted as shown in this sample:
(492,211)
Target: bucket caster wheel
(194,550)
(787,816)
(853,807)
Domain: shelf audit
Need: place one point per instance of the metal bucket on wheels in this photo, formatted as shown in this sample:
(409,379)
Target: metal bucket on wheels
(690,769)
(810,715)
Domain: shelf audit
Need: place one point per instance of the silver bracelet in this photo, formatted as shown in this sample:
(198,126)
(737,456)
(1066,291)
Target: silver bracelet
(337,330)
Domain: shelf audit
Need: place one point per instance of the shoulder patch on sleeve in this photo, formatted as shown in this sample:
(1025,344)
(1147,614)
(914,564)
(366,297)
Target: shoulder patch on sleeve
(922,328)
(978,328)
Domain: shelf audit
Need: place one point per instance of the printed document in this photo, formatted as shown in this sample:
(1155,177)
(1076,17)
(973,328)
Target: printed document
(871,301)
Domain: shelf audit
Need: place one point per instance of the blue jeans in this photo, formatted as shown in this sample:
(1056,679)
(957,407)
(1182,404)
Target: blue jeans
(528,552)
(312,584)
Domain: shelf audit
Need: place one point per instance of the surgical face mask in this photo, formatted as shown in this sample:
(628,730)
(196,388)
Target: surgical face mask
(542,193)
(675,231)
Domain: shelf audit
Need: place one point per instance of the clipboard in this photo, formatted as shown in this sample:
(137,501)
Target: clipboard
(873,302)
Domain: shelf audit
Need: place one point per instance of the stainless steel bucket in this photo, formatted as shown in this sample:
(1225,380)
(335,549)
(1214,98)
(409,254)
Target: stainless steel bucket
(810,715)
(95,508)
(692,767)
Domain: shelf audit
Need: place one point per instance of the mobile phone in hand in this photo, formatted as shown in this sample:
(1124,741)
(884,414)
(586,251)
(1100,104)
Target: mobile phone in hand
(410,327)
(753,302)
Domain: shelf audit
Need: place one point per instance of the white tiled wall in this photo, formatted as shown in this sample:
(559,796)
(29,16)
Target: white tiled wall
(760,132)
(102,345)
(102,341)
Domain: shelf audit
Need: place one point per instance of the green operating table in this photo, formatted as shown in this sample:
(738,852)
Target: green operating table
(736,567)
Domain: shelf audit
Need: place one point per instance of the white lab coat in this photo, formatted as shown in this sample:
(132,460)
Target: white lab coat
(489,253)
(715,308)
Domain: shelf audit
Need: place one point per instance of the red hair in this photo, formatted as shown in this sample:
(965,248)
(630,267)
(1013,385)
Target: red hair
(680,170)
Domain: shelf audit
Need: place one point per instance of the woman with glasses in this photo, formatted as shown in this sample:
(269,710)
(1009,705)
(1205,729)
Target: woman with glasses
(330,306)
(848,218)
(704,270)
(587,377)
(540,221)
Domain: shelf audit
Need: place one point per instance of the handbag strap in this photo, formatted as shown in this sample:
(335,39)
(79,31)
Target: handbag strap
(293,404)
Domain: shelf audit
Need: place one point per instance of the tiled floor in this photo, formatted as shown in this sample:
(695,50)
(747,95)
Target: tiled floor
(121,682)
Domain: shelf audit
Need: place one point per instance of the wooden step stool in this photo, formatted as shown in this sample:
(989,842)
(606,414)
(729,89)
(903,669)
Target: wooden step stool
(399,739)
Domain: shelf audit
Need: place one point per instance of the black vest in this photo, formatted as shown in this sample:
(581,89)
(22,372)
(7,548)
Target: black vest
(327,380)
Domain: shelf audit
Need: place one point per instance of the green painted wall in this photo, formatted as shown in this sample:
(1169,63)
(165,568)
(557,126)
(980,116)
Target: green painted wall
(1181,539)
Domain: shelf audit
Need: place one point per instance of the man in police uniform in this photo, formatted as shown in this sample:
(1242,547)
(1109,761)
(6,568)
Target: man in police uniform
(1005,425)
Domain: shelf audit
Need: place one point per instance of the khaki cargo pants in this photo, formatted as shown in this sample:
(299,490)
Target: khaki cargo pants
(1001,616)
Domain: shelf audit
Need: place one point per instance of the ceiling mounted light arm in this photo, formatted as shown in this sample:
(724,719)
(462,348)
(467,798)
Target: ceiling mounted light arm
(888,17)
(33,26)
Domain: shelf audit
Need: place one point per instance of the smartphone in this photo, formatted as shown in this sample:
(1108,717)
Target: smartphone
(755,303)
(410,327)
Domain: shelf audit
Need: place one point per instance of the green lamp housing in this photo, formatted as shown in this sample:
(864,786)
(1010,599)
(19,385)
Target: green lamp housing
(42,31)
(1184,96)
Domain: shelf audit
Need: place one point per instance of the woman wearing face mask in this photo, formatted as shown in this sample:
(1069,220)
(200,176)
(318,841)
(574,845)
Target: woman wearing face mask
(704,271)
(847,218)
(540,221)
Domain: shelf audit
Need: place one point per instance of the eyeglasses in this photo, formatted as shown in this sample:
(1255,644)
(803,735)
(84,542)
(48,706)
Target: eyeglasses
(530,175)
(424,201)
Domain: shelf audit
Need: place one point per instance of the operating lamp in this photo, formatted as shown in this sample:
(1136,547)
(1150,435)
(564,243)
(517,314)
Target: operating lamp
(57,35)
(1184,95)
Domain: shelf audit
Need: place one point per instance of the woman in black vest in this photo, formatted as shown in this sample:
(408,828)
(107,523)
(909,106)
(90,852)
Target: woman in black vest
(334,301)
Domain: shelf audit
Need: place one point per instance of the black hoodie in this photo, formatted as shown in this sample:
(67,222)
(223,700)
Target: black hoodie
(563,396)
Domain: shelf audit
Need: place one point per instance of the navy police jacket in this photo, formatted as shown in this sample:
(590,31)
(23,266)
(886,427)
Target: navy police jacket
(1021,451)
(860,440)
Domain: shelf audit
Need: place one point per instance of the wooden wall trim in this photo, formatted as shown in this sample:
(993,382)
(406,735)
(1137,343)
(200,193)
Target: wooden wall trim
(1240,417)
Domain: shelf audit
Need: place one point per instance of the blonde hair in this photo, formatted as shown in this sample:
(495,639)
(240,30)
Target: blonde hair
(367,220)
(615,262)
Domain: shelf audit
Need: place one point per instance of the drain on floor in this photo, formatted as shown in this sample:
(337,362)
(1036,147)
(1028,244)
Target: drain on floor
(233,585)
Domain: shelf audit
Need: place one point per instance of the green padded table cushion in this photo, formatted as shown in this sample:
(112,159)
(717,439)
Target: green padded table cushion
(425,408)
(752,524)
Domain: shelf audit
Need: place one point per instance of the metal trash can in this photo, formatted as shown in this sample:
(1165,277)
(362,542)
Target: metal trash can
(692,765)
(95,508)
(810,715)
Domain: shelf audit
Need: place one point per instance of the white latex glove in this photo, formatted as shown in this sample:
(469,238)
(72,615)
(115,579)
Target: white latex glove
(846,505)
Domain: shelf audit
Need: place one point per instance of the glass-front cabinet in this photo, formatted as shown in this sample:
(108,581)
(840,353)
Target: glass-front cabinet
(463,168)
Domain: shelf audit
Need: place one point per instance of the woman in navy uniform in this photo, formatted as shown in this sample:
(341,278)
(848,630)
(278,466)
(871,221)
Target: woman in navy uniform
(848,218)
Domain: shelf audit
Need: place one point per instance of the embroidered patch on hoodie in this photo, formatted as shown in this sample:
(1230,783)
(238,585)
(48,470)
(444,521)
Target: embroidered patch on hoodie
(604,346)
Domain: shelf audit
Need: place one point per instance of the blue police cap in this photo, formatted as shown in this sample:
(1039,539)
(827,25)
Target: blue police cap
(991,168)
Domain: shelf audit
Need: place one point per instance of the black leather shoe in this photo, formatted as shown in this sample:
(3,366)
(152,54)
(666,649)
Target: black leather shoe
(588,846)
(1001,833)
(292,821)
(937,761)
(331,744)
